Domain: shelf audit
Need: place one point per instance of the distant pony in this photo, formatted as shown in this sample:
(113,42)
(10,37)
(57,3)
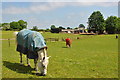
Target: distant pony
(32,44)
(68,42)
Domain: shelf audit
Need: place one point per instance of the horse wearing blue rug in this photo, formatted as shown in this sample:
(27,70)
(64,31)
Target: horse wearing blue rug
(32,44)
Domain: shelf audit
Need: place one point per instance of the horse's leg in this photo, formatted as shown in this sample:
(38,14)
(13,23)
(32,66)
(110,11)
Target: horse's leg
(21,58)
(28,63)
(35,64)
(69,45)
(41,68)
(45,56)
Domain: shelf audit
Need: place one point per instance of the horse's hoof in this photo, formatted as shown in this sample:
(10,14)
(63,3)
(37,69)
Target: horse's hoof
(34,69)
(40,74)
(43,74)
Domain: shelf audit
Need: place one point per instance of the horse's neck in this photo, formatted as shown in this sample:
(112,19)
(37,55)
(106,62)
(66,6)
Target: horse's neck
(41,54)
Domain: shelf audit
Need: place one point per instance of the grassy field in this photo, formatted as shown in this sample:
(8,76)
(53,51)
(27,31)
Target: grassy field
(89,57)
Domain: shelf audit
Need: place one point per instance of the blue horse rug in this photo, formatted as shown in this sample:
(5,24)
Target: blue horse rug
(29,42)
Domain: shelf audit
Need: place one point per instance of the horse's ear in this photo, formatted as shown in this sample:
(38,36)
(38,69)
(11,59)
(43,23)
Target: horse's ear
(48,57)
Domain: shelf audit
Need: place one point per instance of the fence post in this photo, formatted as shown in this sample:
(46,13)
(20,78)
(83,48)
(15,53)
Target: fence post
(9,42)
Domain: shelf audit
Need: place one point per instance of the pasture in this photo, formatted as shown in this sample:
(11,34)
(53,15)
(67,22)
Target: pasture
(91,56)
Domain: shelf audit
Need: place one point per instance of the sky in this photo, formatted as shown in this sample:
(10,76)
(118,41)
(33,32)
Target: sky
(43,14)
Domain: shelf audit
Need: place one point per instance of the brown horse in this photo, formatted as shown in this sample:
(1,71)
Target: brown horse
(68,42)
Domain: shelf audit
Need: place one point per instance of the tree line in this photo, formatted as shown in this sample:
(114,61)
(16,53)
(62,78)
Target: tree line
(55,29)
(96,23)
(15,25)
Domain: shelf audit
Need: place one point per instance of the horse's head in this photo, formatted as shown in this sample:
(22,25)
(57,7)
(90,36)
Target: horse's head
(45,61)
(44,65)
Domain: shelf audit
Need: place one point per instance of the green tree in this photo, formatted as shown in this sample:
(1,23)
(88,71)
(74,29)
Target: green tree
(5,26)
(69,28)
(76,28)
(55,30)
(118,26)
(111,24)
(96,21)
(47,30)
(60,27)
(35,28)
(15,26)
(22,23)
(81,26)
(52,27)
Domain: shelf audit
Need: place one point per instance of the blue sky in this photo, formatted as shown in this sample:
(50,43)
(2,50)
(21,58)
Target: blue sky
(45,14)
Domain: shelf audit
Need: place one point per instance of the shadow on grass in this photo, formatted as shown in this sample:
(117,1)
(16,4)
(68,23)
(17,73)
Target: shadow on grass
(64,47)
(18,68)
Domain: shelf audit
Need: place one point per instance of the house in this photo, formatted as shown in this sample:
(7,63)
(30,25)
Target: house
(75,31)
(67,31)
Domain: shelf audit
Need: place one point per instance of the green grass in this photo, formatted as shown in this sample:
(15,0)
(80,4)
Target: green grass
(89,57)
(0,55)
(8,34)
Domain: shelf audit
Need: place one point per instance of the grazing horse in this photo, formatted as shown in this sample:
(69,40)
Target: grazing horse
(32,44)
(68,42)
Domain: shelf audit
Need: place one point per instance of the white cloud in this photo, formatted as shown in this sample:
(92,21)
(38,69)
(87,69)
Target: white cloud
(15,10)
(33,8)
(37,8)
(44,7)
(60,0)
(101,4)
